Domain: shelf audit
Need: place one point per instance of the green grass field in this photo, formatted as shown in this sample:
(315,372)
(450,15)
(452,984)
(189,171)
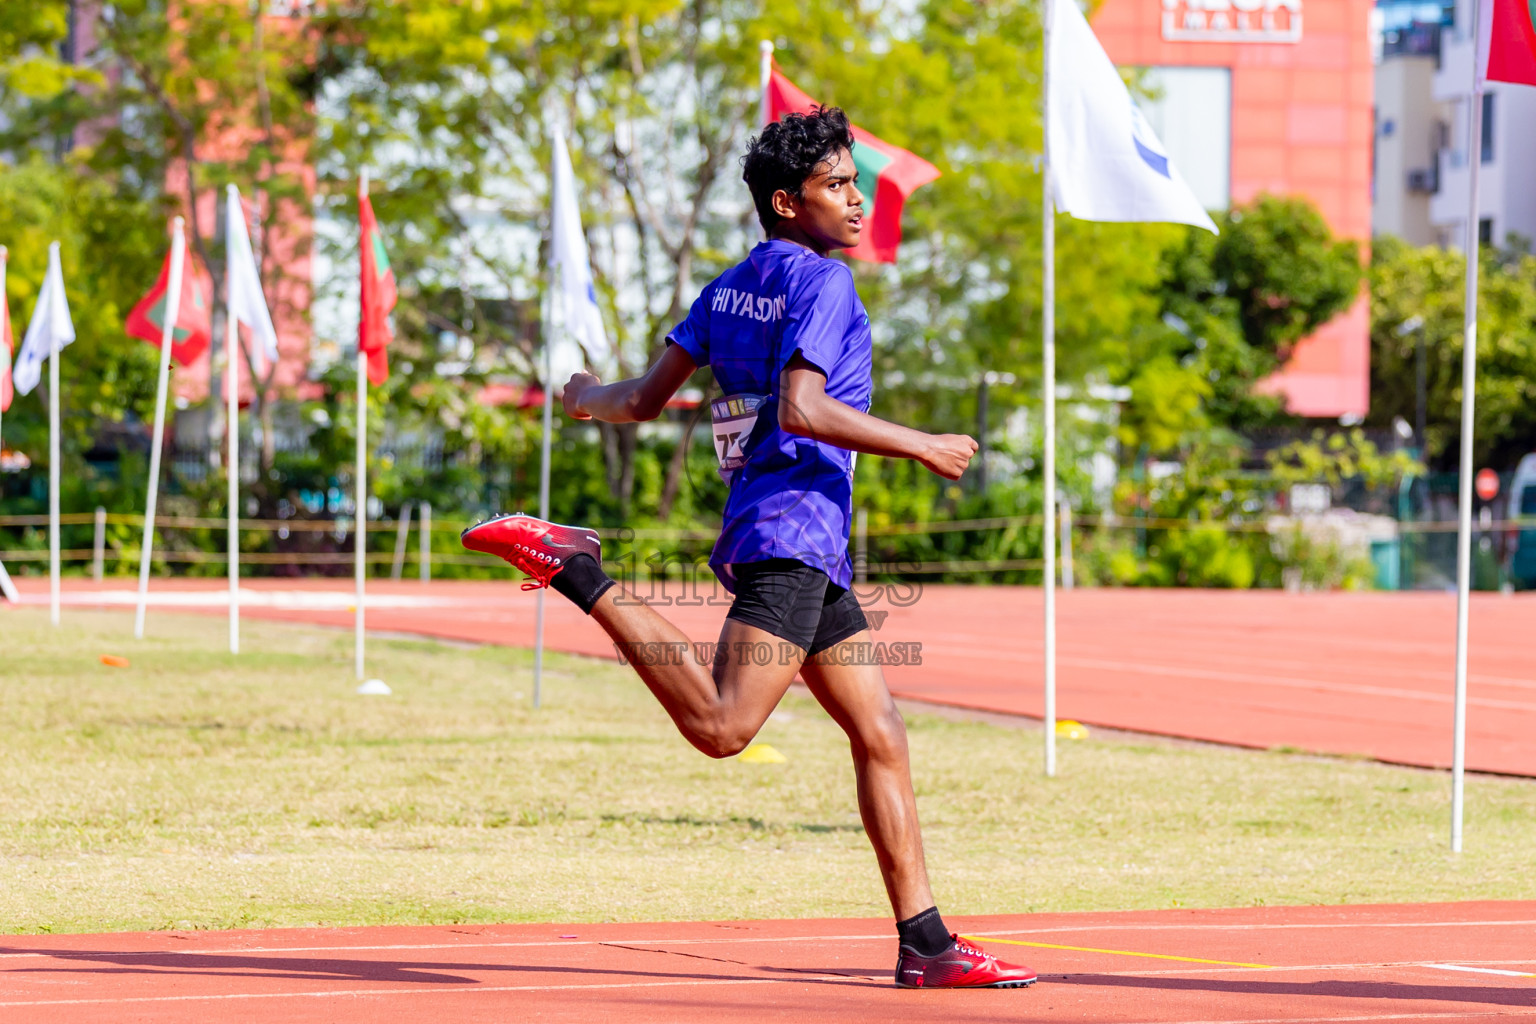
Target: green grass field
(193,789)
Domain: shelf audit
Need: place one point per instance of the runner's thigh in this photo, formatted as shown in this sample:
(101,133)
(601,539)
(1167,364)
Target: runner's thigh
(853,692)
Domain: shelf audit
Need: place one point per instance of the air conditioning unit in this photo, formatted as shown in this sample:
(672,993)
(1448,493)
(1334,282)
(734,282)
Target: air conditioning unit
(1424,179)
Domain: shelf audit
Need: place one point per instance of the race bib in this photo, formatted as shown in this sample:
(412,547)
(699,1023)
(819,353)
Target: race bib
(734,417)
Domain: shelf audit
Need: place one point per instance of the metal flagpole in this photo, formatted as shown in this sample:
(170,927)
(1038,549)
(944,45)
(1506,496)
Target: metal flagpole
(764,75)
(53,454)
(232,427)
(424,522)
(6,587)
(1468,399)
(167,332)
(360,528)
(5,350)
(1048,346)
(549,392)
(764,111)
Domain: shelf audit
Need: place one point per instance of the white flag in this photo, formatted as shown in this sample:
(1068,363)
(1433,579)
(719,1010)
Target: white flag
(49,331)
(1106,161)
(247,303)
(583,321)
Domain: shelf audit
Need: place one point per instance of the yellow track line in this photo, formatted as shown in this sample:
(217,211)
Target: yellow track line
(1116,952)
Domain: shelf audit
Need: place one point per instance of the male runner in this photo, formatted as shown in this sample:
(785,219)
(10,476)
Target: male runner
(789,344)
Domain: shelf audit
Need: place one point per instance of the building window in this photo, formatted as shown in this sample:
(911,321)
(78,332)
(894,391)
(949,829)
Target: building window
(1191,112)
(1487,127)
(1485,231)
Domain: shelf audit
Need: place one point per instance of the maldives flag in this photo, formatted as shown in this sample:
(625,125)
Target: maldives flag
(194,315)
(1511,46)
(887,174)
(378,294)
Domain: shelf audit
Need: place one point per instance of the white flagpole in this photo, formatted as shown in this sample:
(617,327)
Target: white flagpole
(5,350)
(549,393)
(1468,401)
(53,455)
(764,75)
(360,530)
(232,425)
(7,589)
(764,78)
(1048,347)
(167,332)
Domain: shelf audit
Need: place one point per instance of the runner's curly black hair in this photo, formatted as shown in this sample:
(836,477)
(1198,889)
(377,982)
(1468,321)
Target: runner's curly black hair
(788,152)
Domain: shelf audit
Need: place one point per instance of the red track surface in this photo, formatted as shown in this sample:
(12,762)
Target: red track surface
(1251,965)
(1342,673)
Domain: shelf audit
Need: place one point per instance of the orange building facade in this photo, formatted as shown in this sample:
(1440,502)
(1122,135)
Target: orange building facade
(1299,77)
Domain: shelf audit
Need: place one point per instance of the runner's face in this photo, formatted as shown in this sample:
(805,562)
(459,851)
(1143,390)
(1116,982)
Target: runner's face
(829,212)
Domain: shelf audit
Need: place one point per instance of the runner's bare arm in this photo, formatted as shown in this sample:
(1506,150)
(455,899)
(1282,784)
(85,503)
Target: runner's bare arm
(629,401)
(806,409)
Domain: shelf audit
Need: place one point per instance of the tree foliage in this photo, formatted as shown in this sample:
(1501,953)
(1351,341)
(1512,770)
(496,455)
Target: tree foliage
(1428,283)
(450,107)
(1233,307)
(104,376)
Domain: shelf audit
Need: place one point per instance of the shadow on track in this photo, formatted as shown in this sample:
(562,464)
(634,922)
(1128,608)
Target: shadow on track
(1392,990)
(322,968)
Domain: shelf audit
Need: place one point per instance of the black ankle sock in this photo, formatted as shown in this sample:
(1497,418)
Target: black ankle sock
(925,932)
(583,581)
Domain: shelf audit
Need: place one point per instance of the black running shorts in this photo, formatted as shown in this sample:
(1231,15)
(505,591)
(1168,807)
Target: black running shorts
(795,602)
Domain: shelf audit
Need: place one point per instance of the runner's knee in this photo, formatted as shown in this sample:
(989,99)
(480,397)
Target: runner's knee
(722,740)
(882,738)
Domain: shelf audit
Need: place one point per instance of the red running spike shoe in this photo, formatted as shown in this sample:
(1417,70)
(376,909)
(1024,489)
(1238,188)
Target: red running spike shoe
(962,965)
(539,548)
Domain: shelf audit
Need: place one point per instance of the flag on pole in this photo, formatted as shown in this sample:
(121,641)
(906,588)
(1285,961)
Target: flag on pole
(6,346)
(1106,161)
(887,174)
(194,320)
(378,292)
(1508,41)
(247,302)
(583,320)
(49,330)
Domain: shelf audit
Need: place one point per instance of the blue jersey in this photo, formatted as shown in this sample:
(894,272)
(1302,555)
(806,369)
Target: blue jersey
(792,497)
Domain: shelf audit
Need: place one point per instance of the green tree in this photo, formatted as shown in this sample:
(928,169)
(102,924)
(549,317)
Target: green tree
(31,65)
(1233,307)
(197,96)
(108,249)
(1428,283)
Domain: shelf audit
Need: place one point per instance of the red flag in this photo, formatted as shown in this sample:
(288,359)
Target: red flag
(887,174)
(6,391)
(378,294)
(194,316)
(1512,46)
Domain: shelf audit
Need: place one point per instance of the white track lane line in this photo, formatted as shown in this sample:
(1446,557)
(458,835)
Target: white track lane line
(1292,968)
(290,600)
(1217,675)
(834,979)
(1480,970)
(1245,927)
(735,940)
(1474,1015)
(807,975)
